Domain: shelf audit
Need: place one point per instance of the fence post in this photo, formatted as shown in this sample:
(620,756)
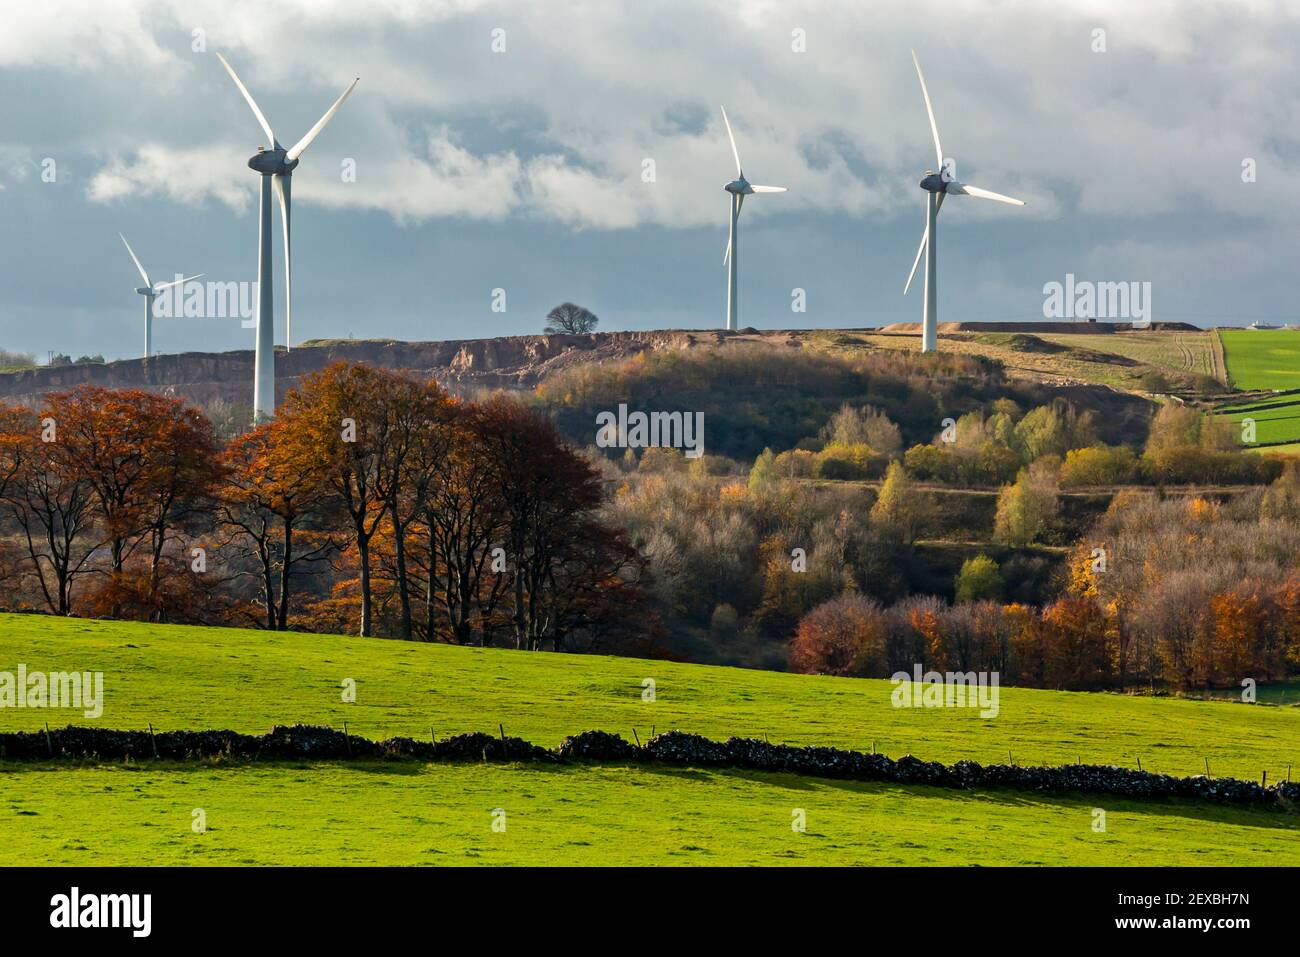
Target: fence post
(152,742)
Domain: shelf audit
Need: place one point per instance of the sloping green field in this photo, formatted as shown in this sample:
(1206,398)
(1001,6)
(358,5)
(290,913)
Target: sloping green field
(1276,420)
(442,814)
(183,677)
(176,677)
(1265,359)
(1262,358)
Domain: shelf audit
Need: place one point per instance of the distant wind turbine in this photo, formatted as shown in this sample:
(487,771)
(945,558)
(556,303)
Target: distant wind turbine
(739,188)
(276,165)
(149,291)
(938,185)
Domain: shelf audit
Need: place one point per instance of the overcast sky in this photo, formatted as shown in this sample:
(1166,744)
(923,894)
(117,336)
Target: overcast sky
(524,170)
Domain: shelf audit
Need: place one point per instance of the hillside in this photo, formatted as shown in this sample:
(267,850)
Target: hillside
(375,812)
(195,677)
(461,365)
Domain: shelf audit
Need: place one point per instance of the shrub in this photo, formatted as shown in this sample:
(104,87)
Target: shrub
(839,461)
(1099,465)
(978,579)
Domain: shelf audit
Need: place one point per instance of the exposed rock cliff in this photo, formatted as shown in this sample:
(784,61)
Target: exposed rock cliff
(462,366)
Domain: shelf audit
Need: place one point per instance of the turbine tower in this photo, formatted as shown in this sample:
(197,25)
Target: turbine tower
(276,164)
(739,188)
(938,185)
(149,291)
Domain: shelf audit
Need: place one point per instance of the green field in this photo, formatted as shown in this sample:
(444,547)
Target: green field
(183,677)
(1277,421)
(1262,358)
(1265,359)
(442,814)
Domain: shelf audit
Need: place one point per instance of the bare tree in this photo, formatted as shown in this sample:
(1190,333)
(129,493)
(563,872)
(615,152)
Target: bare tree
(570,319)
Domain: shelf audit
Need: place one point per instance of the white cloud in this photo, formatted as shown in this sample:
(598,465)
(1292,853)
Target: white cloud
(188,176)
(583,93)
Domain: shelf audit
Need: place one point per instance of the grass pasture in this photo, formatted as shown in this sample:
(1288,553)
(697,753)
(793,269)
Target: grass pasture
(1277,420)
(1262,358)
(1122,360)
(409,813)
(598,814)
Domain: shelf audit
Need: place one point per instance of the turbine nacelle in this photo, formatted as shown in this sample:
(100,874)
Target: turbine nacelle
(933,182)
(270,162)
(739,187)
(144,290)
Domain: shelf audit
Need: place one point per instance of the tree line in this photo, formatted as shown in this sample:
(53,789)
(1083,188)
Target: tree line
(373,502)
(1178,593)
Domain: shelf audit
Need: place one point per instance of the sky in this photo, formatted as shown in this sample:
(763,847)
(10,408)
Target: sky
(509,156)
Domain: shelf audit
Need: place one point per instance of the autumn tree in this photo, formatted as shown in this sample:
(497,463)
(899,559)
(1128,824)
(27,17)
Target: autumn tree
(462,517)
(50,502)
(1281,500)
(338,424)
(420,436)
(896,506)
(269,494)
(1026,508)
(563,561)
(151,462)
(1077,656)
(842,636)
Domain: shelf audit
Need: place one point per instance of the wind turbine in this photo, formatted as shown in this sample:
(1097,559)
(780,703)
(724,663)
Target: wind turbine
(938,185)
(739,188)
(276,165)
(149,291)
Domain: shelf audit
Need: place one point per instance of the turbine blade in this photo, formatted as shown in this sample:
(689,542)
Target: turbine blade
(297,149)
(284,191)
(925,237)
(144,275)
(266,127)
(934,128)
(731,136)
(177,282)
(985,194)
(768,189)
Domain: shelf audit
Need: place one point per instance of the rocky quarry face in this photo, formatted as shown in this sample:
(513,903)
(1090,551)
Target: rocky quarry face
(461,366)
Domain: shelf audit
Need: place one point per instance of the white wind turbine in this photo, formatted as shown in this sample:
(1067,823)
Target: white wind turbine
(276,165)
(149,291)
(938,185)
(739,188)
